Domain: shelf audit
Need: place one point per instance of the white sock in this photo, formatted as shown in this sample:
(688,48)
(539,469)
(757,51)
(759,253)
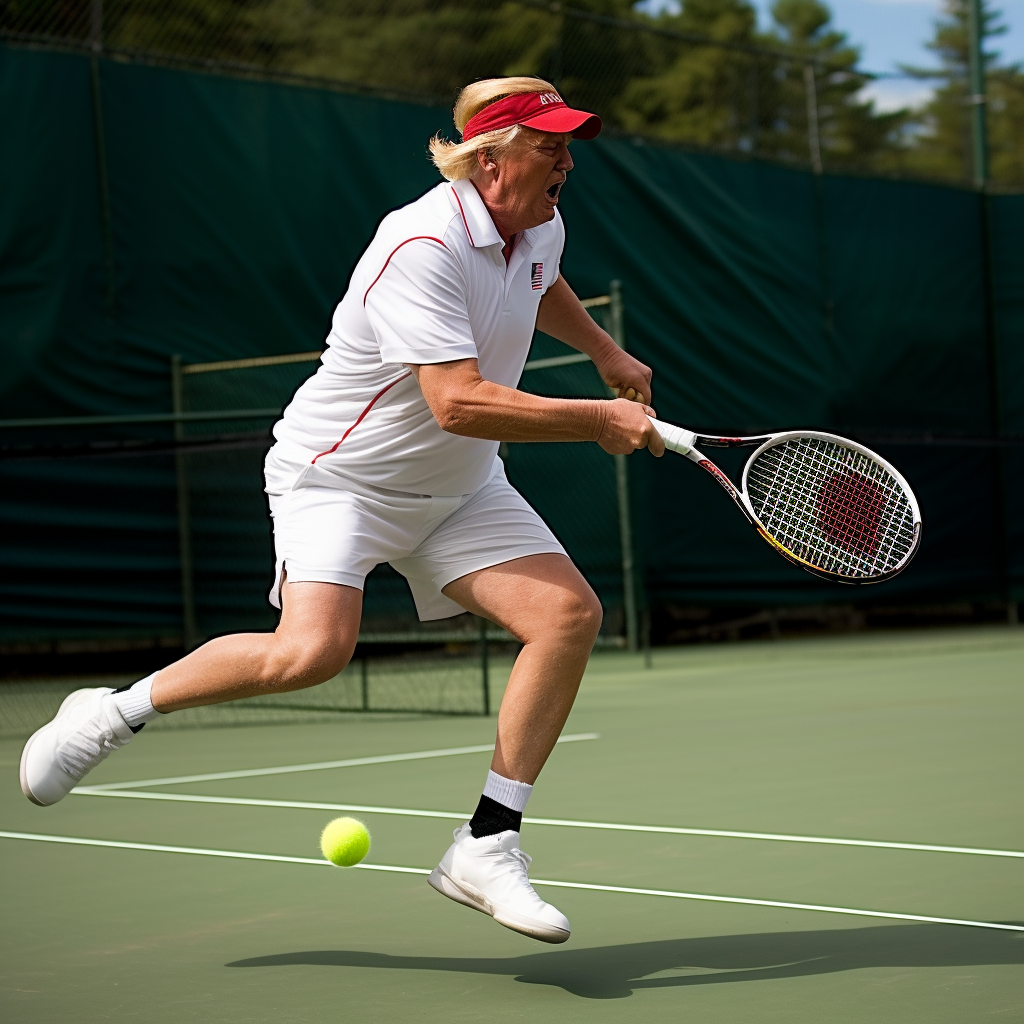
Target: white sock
(507,792)
(136,703)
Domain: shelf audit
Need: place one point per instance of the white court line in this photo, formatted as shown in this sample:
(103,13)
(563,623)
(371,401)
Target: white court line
(188,798)
(316,862)
(318,766)
(241,801)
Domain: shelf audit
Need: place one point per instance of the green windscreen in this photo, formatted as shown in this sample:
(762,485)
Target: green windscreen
(225,515)
(150,211)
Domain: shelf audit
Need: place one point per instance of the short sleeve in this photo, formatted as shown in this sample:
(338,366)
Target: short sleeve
(418,308)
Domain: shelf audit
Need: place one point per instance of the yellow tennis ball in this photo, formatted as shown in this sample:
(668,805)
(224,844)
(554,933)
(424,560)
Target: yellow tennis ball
(345,842)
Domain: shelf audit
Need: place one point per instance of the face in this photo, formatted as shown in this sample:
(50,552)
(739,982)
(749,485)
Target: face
(522,187)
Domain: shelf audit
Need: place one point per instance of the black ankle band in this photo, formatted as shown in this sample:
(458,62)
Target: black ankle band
(490,818)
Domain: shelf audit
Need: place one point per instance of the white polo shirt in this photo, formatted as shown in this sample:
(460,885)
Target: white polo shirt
(432,287)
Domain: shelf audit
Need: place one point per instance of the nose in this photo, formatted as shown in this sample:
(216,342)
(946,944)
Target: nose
(564,161)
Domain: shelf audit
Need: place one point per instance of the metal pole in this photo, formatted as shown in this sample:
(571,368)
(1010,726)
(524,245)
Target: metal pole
(754,108)
(189,628)
(618,333)
(813,139)
(645,641)
(485,675)
(976,99)
(626,542)
(1000,526)
(96,25)
(616,318)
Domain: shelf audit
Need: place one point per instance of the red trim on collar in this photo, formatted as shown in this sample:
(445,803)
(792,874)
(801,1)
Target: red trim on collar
(464,221)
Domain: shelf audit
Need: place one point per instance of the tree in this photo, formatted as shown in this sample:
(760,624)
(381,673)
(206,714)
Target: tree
(852,134)
(942,146)
(757,99)
(704,75)
(699,92)
(1006,127)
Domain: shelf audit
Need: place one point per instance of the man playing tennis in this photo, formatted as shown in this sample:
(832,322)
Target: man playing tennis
(389,453)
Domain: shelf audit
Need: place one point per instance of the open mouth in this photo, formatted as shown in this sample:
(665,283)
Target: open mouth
(552,193)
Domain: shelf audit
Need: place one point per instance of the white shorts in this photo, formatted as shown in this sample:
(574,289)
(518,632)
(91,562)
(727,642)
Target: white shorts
(326,531)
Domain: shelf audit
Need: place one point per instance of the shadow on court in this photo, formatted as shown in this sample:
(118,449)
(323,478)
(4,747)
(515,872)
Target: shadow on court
(614,972)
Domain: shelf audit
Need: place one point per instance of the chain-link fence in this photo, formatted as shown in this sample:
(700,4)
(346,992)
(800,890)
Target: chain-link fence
(223,527)
(725,86)
(209,451)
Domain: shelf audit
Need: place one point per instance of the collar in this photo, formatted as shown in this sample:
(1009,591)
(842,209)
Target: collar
(475,218)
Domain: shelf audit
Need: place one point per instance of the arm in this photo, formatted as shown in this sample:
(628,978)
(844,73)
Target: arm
(562,316)
(464,403)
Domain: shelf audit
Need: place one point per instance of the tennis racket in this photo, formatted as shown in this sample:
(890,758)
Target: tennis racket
(829,505)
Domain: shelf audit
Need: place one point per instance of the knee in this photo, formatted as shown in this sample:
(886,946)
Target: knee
(295,666)
(575,614)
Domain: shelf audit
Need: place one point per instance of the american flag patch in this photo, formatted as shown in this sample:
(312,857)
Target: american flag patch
(537,277)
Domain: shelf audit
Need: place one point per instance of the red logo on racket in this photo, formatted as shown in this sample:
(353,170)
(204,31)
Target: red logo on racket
(850,509)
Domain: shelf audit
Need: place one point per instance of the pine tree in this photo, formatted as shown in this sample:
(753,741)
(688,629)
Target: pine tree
(758,101)
(852,134)
(702,93)
(942,147)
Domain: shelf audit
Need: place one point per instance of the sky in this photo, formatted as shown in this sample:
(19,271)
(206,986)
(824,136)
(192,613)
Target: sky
(893,32)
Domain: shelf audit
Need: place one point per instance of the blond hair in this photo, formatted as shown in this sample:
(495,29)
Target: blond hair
(456,160)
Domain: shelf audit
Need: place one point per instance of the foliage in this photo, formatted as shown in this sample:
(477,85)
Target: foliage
(854,136)
(942,148)
(703,76)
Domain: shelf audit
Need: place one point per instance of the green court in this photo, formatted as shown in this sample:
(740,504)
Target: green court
(907,739)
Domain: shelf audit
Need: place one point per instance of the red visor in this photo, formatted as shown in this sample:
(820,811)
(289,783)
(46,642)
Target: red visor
(545,111)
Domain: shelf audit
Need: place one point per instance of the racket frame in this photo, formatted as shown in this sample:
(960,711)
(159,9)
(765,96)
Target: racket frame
(684,442)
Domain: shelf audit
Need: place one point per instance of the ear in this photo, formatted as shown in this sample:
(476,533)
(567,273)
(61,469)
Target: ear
(485,161)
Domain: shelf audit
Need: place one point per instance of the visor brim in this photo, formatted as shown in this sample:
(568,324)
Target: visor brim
(565,121)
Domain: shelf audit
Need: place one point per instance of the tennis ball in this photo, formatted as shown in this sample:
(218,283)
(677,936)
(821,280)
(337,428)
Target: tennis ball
(345,842)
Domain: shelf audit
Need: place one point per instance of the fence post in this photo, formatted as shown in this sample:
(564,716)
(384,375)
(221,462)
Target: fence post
(485,675)
(976,99)
(96,25)
(755,113)
(813,137)
(189,629)
(618,333)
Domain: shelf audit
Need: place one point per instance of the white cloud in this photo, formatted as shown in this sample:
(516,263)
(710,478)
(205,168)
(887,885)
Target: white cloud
(896,93)
(655,7)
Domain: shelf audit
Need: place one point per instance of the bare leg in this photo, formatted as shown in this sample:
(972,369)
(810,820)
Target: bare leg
(312,643)
(544,602)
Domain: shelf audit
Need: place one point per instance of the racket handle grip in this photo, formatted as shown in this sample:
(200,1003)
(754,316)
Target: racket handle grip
(677,439)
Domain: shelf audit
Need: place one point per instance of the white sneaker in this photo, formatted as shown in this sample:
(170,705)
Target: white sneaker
(87,729)
(490,875)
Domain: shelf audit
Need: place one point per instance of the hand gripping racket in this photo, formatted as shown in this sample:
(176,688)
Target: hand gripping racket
(830,505)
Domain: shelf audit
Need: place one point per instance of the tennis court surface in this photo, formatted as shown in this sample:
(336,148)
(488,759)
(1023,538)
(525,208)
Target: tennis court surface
(904,739)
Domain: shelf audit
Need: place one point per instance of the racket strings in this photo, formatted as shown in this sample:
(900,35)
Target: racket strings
(832,507)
